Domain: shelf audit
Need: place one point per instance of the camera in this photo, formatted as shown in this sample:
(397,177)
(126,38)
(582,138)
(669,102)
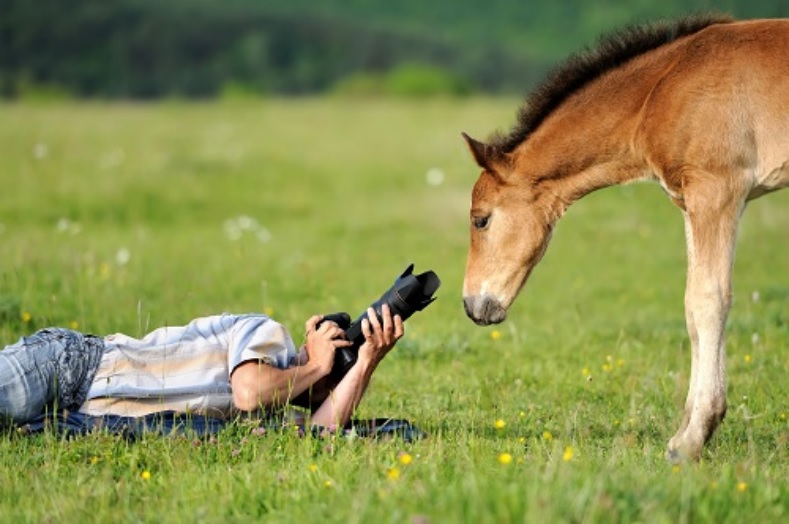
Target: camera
(409,293)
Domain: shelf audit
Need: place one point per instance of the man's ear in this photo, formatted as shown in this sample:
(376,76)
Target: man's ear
(488,157)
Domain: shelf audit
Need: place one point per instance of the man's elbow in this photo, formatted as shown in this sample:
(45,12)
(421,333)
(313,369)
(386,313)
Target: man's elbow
(252,398)
(245,383)
(244,399)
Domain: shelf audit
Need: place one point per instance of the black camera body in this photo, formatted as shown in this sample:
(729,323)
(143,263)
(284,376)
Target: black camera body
(409,293)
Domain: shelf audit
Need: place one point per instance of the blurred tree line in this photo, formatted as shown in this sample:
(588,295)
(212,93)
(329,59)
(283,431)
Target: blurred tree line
(205,48)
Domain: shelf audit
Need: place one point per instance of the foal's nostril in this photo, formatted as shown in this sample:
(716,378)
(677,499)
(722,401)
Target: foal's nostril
(489,308)
(492,312)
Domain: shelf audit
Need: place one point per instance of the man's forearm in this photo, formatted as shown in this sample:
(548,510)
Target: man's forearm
(259,385)
(336,411)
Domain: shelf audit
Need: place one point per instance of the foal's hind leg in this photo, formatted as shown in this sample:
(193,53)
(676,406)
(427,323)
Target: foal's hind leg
(713,210)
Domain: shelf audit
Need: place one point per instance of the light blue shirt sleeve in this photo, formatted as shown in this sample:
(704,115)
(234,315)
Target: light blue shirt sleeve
(257,337)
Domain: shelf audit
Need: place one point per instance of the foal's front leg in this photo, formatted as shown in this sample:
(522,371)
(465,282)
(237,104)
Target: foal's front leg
(711,231)
(693,333)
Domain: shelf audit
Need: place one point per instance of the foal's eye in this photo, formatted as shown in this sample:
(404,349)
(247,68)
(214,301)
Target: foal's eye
(480,222)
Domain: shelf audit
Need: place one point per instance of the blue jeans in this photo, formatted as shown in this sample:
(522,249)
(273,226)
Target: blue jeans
(49,370)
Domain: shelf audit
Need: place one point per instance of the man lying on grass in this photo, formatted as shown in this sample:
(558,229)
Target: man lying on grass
(217,366)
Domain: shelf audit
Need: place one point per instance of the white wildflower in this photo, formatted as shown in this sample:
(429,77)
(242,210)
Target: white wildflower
(237,227)
(40,151)
(122,256)
(435,176)
(246,223)
(64,225)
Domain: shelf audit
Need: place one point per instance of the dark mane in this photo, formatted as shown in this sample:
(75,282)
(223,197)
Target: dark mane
(612,51)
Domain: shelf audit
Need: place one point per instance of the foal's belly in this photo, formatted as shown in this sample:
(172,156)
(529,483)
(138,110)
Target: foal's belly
(776,179)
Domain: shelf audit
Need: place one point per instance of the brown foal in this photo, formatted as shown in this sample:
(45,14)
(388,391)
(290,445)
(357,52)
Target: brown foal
(702,107)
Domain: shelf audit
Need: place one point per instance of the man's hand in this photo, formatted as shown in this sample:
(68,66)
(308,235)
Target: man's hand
(322,342)
(379,337)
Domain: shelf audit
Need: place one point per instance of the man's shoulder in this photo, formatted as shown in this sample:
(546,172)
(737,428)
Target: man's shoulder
(244,322)
(217,325)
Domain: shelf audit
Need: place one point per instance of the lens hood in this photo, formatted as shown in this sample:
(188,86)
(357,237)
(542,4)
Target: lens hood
(409,293)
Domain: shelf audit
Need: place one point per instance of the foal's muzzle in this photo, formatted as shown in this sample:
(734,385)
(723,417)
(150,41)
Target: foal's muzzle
(484,310)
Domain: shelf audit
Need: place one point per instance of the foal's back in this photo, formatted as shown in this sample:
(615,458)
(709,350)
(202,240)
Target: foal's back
(723,103)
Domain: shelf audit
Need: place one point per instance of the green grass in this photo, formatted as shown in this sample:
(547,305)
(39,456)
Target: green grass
(593,358)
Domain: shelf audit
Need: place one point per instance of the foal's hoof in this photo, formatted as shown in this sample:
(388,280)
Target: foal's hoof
(680,451)
(673,456)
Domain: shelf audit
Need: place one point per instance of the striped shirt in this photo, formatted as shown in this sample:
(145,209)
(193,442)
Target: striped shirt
(185,369)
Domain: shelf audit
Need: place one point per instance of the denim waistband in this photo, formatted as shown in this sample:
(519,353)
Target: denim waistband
(53,367)
(76,365)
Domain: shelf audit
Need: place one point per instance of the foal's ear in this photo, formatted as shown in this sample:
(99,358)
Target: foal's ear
(486,155)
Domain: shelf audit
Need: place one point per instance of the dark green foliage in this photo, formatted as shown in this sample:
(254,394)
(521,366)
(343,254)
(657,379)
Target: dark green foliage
(124,48)
(202,48)
(407,80)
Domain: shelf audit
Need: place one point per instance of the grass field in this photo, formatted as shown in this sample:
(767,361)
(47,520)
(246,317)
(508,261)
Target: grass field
(127,217)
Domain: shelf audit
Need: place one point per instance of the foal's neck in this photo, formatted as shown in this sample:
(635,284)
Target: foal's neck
(591,140)
(587,143)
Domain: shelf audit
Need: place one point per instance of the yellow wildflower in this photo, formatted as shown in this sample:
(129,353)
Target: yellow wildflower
(26,316)
(313,468)
(74,324)
(747,359)
(499,424)
(145,475)
(742,486)
(547,435)
(495,334)
(405,459)
(268,310)
(393,473)
(568,454)
(505,458)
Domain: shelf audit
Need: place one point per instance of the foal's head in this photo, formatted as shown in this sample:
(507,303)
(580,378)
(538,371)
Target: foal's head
(512,218)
